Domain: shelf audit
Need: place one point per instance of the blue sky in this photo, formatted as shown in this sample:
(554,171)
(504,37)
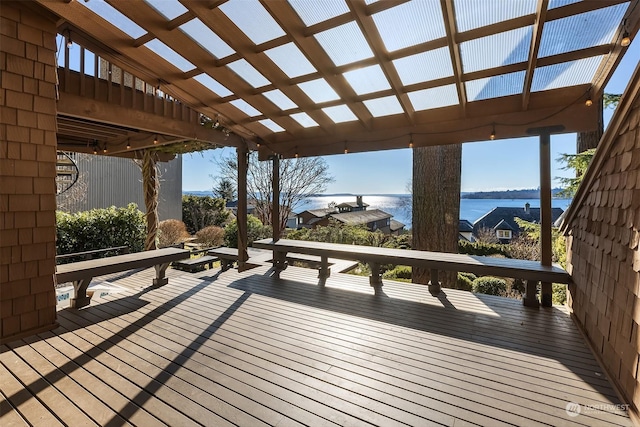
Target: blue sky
(490,165)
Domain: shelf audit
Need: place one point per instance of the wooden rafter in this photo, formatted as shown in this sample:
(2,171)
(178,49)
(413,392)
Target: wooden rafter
(454,52)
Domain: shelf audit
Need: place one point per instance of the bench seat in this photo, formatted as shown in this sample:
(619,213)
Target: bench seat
(227,256)
(80,273)
(195,264)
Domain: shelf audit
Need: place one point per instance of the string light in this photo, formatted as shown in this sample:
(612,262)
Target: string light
(296,152)
(493,132)
(104,150)
(411,141)
(128,145)
(589,101)
(69,41)
(626,40)
(155,139)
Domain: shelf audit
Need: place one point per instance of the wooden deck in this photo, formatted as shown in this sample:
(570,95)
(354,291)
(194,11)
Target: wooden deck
(245,349)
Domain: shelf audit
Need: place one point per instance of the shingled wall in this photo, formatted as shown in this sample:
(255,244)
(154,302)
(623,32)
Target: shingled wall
(27,171)
(604,259)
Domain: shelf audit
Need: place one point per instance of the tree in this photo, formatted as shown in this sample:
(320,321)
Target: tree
(579,163)
(299,178)
(199,212)
(436,204)
(224,189)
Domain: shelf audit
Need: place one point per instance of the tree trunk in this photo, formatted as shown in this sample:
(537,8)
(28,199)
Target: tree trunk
(436,205)
(150,185)
(587,140)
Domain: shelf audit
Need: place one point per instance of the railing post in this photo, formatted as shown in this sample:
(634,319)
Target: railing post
(434,283)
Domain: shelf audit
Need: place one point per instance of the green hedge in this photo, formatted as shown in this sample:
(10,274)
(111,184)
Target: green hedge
(489,285)
(255,231)
(481,249)
(100,229)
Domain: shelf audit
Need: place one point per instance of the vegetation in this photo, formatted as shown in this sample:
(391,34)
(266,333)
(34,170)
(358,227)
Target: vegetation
(100,229)
(400,273)
(481,248)
(199,212)
(337,232)
(211,236)
(224,189)
(171,232)
(255,231)
(489,285)
(578,163)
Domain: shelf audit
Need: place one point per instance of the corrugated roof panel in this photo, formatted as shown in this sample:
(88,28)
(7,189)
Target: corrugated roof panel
(280,99)
(424,67)
(367,80)
(248,73)
(410,23)
(435,97)
(169,55)
(245,107)
(206,38)
(559,3)
(340,114)
(304,120)
(271,125)
(495,87)
(311,14)
(344,44)
(472,14)
(565,74)
(385,106)
(253,19)
(213,85)
(117,19)
(168,9)
(291,60)
(594,28)
(319,91)
(509,47)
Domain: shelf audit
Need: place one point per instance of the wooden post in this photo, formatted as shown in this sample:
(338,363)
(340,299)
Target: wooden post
(275,208)
(241,217)
(434,283)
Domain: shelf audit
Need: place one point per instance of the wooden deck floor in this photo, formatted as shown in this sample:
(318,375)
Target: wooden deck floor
(244,349)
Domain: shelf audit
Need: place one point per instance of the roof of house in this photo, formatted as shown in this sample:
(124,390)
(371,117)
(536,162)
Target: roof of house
(508,214)
(465,226)
(396,225)
(504,225)
(353,204)
(320,213)
(361,217)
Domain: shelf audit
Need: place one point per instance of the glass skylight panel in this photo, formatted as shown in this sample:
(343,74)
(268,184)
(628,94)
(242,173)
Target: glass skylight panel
(386,106)
(253,19)
(509,47)
(280,99)
(367,80)
(271,125)
(435,97)
(248,73)
(169,9)
(496,86)
(117,19)
(213,85)
(565,74)
(169,54)
(410,24)
(245,107)
(319,91)
(291,60)
(311,12)
(206,38)
(340,114)
(472,14)
(345,44)
(304,120)
(424,67)
(588,29)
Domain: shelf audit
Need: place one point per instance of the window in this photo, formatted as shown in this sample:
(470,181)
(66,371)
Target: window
(503,234)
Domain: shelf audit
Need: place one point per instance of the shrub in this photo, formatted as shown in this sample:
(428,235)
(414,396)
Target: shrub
(401,272)
(100,229)
(480,248)
(469,276)
(211,236)
(464,282)
(255,231)
(559,294)
(171,232)
(489,285)
(199,212)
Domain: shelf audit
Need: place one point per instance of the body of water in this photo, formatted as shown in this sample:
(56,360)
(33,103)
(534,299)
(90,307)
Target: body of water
(399,205)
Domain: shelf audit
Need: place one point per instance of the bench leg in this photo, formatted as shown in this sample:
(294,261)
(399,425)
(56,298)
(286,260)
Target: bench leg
(160,279)
(324,272)
(80,293)
(530,297)
(375,279)
(434,284)
(225,264)
(546,294)
(279,263)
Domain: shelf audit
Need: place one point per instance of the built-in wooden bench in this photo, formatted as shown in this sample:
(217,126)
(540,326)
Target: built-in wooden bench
(531,271)
(78,256)
(80,273)
(227,256)
(196,264)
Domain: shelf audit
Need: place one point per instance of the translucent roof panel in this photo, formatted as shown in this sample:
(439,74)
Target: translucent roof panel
(385,106)
(423,67)
(169,54)
(213,85)
(593,28)
(345,44)
(319,91)
(253,19)
(367,80)
(340,114)
(435,97)
(271,125)
(410,24)
(245,107)
(109,13)
(168,9)
(496,86)
(248,73)
(291,60)
(304,120)
(472,14)
(280,99)
(565,74)
(311,14)
(509,47)
(559,3)
(206,38)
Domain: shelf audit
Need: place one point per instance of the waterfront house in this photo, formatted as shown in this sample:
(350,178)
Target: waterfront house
(466,231)
(502,221)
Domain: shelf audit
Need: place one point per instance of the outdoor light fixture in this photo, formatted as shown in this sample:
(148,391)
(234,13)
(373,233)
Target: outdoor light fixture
(626,39)
(493,132)
(411,141)
(104,150)
(128,145)
(296,153)
(69,41)
(589,101)
(155,139)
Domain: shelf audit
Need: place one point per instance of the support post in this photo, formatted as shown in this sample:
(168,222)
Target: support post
(241,217)
(530,297)
(434,283)
(275,208)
